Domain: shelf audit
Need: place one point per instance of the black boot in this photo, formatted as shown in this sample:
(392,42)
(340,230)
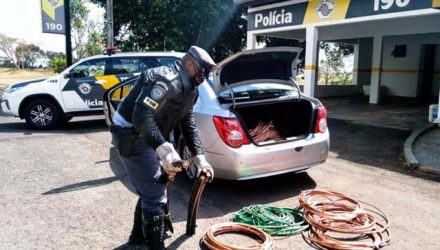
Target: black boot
(154,230)
(168,226)
(137,235)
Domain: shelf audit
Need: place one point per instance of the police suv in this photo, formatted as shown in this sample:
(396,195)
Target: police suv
(78,90)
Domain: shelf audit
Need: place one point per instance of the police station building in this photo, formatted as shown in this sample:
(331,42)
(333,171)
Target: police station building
(396,42)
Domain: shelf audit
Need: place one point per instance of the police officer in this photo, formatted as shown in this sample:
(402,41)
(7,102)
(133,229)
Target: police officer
(161,99)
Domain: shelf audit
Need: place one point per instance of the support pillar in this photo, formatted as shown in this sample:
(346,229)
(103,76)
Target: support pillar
(376,70)
(311,64)
(438,108)
(354,80)
(251,41)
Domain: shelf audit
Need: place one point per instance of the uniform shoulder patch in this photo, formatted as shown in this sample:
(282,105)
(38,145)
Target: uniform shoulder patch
(158,91)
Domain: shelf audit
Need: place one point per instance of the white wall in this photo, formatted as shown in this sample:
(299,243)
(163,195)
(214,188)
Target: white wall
(400,75)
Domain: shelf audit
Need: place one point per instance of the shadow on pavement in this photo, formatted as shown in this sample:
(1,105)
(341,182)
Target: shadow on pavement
(398,113)
(72,127)
(179,241)
(119,170)
(174,245)
(371,145)
(82,185)
(221,196)
(116,167)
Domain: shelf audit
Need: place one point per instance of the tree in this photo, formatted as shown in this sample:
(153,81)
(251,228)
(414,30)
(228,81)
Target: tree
(56,60)
(87,38)
(331,68)
(217,25)
(58,63)
(7,46)
(28,54)
(343,49)
(95,42)
(51,54)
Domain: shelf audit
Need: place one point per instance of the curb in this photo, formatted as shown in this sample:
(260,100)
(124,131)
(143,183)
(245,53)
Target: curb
(408,146)
(430,170)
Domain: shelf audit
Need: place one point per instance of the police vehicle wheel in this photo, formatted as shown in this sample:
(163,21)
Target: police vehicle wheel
(41,114)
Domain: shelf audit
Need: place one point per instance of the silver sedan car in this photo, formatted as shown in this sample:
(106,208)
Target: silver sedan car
(252,118)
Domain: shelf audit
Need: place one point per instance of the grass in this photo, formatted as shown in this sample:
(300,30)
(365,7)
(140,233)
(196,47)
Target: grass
(12,75)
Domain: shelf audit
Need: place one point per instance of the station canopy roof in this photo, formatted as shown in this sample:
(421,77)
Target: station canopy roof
(254,3)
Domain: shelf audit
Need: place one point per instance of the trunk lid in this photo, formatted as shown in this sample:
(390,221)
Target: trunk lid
(274,65)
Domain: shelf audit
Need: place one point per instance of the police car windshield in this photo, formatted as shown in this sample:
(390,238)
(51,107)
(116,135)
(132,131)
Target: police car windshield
(258,92)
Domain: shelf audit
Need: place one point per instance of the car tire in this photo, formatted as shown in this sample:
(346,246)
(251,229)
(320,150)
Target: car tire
(42,114)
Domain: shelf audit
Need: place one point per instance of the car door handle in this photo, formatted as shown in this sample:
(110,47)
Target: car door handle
(299,149)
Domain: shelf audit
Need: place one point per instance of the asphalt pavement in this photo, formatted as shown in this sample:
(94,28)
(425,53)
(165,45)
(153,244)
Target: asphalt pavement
(66,188)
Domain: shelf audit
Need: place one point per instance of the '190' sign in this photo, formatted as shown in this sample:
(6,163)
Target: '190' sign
(54,26)
(386,4)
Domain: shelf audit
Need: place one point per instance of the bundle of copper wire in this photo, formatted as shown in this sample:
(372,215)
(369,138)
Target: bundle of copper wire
(265,131)
(209,239)
(340,222)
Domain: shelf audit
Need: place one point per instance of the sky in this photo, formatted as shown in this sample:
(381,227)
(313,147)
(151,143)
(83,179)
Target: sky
(22,19)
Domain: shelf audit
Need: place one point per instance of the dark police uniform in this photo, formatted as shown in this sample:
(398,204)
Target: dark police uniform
(161,99)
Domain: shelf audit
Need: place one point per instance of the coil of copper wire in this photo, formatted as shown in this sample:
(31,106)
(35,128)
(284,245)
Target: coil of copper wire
(340,222)
(265,131)
(264,241)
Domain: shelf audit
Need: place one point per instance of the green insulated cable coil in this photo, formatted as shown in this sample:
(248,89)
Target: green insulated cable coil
(277,221)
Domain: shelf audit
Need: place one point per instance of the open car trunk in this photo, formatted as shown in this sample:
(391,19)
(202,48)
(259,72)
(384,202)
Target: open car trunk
(277,122)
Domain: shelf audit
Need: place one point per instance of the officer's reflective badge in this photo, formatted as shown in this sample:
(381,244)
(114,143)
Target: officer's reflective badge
(85,88)
(151,103)
(158,92)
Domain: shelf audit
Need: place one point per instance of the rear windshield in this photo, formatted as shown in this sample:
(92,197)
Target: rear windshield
(258,91)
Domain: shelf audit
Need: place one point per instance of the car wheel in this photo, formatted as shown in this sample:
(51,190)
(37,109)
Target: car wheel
(41,114)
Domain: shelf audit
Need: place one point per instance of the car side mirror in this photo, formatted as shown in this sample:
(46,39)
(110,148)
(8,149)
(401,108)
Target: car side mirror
(67,75)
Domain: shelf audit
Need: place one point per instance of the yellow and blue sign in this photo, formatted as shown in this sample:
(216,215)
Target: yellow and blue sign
(53,16)
(316,11)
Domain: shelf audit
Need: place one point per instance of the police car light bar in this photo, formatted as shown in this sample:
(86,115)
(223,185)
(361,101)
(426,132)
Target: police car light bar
(110,50)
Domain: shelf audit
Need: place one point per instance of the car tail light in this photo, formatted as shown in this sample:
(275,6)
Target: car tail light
(230,131)
(321,120)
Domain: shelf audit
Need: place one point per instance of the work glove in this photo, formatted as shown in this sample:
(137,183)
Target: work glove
(170,159)
(203,166)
